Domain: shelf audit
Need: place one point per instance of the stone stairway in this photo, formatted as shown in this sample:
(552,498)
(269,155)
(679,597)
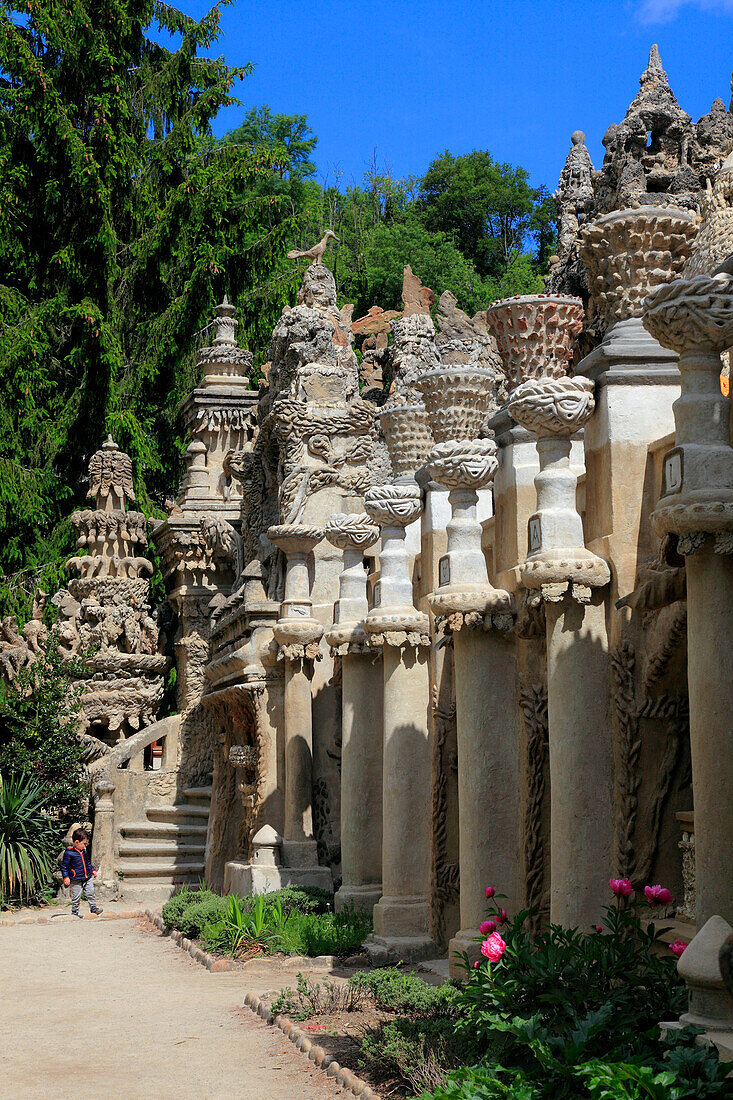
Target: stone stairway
(165,850)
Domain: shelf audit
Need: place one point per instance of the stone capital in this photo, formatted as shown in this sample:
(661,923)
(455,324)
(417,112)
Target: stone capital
(294,538)
(692,314)
(468,464)
(628,252)
(407,434)
(351,531)
(394,505)
(553,406)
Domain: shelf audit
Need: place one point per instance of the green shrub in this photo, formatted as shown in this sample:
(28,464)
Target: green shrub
(420,1053)
(206,908)
(395,990)
(315,998)
(574,1016)
(303,899)
(26,838)
(172,909)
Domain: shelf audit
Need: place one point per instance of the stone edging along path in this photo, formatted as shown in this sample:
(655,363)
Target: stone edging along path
(315,1053)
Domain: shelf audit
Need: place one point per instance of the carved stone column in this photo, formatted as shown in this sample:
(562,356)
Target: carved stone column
(560,572)
(695,318)
(480,617)
(401,917)
(361,746)
(298,635)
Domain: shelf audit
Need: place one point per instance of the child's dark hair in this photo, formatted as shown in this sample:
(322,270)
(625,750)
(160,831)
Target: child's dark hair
(79,834)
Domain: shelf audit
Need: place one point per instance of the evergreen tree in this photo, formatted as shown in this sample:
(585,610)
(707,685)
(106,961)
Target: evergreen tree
(121,224)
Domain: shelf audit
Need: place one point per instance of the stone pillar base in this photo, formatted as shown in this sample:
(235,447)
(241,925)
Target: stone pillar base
(389,950)
(300,853)
(361,899)
(407,915)
(468,941)
(249,878)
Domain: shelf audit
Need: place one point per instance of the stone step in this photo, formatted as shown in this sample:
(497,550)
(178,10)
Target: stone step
(145,893)
(163,830)
(159,849)
(181,815)
(198,794)
(166,870)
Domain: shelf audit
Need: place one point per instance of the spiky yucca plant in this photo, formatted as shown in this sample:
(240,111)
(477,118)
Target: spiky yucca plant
(26,834)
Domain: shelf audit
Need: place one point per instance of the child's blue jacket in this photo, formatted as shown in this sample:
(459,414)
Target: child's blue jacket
(76,865)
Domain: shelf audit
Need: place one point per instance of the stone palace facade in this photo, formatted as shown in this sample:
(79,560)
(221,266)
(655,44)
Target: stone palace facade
(457,613)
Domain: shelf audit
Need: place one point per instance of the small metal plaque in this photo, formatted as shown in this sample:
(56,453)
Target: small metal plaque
(444,571)
(673,473)
(534,534)
(378,594)
(336,613)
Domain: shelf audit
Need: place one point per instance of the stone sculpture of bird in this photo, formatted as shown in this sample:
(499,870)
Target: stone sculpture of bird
(315,254)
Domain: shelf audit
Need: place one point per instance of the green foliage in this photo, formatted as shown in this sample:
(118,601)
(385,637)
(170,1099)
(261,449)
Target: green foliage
(395,990)
(26,838)
(295,920)
(331,933)
(121,223)
(39,717)
(418,1053)
(288,137)
(574,1016)
(316,998)
(174,907)
(486,207)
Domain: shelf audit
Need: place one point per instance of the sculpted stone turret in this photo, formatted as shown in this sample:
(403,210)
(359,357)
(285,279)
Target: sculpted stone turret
(655,157)
(105,610)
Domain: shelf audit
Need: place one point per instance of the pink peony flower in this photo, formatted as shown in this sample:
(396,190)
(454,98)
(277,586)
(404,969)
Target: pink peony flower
(487,927)
(476,965)
(597,928)
(678,947)
(503,917)
(657,895)
(493,947)
(489,891)
(621,887)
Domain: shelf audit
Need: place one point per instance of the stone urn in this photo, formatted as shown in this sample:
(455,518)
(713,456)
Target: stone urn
(407,434)
(628,252)
(535,334)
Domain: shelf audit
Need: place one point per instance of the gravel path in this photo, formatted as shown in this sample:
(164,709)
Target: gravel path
(110,1009)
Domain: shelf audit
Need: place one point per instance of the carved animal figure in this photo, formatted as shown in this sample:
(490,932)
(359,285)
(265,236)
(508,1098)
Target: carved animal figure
(315,254)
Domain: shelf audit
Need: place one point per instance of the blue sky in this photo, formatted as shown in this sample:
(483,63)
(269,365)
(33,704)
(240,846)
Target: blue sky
(410,79)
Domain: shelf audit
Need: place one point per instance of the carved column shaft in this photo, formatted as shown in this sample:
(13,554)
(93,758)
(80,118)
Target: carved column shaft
(361,720)
(695,318)
(401,917)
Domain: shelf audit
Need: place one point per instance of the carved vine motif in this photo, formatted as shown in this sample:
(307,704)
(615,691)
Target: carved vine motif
(304,482)
(673,711)
(533,701)
(623,660)
(446,882)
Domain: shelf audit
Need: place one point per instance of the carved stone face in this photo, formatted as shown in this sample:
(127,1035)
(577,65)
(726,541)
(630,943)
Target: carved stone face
(469,464)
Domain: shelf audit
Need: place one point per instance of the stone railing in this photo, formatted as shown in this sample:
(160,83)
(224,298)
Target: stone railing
(121,786)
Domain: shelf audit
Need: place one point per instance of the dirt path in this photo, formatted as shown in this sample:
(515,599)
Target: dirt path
(108,1010)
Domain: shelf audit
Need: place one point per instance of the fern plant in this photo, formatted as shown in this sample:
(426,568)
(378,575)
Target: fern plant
(26,836)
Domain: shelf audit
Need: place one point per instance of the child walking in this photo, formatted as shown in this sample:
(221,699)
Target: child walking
(77,871)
